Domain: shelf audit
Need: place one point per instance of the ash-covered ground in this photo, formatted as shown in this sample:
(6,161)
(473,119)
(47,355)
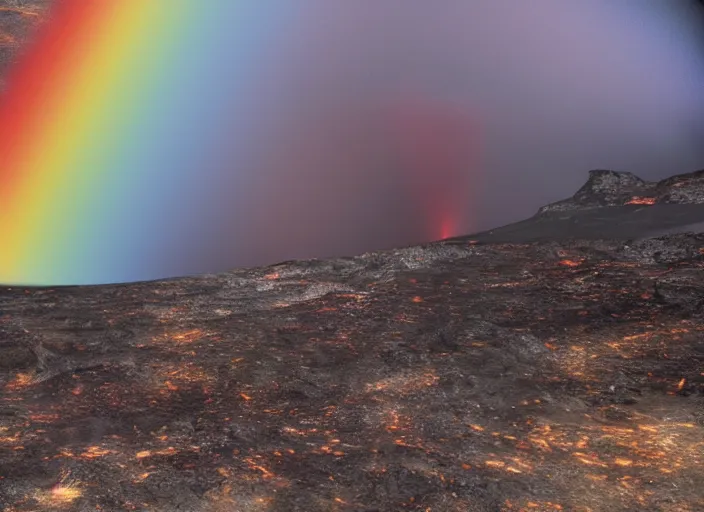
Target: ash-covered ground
(464,375)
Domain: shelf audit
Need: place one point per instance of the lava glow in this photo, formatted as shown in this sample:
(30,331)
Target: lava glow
(21,380)
(61,496)
(642,200)
(438,150)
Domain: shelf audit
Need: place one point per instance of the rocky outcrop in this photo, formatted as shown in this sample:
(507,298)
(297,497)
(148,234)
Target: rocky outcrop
(606,188)
(682,189)
(612,206)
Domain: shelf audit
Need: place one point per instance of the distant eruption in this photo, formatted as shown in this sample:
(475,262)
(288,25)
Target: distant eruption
(438,149)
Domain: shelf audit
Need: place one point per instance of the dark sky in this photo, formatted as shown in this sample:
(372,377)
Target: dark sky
(380,123)
(387,122)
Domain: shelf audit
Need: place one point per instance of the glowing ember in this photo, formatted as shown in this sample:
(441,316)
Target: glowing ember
(21,380)
(181,338)
(95,452)
(6,439)
(623,462)
(641,200)
(65,493)
(571,263)
(589,461)
(142,477)
(61,495)
(404,384)
(258,467)
(174,377)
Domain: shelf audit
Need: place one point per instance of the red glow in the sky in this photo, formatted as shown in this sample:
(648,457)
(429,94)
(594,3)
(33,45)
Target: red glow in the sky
(447,229)
(437,146)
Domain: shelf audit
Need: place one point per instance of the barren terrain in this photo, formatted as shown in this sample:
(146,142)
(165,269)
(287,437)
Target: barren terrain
(551,365)
(455,376)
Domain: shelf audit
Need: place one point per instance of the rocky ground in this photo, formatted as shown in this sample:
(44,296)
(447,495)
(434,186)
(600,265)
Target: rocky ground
(611,188)
(458,376)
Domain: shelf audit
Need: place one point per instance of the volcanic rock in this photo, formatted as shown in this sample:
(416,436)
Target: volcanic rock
(563,373)
(612,188)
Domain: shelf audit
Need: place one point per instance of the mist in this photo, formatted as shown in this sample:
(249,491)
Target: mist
(381,123)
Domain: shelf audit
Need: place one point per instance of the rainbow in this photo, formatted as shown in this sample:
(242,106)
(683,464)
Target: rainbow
(110,103)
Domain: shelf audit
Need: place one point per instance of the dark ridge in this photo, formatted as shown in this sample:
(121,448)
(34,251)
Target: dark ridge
(612,205)
(614,188)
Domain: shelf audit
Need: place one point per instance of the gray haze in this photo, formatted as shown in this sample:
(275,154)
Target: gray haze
(518,99)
